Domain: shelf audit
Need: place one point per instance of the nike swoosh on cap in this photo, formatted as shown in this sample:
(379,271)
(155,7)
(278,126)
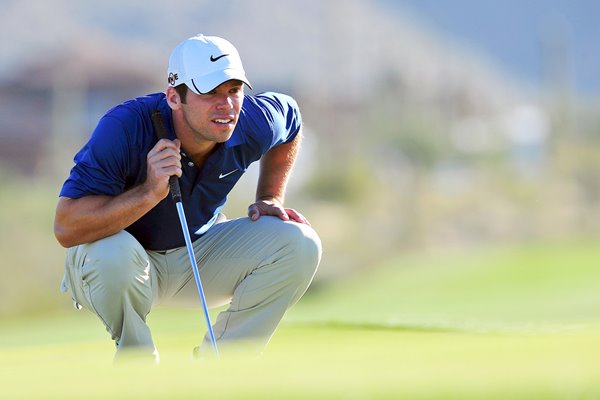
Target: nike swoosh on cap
(213,59)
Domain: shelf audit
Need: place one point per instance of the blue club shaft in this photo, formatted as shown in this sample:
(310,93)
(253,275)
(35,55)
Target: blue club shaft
(192,256)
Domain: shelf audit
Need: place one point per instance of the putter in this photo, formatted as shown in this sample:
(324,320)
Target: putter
(175,190)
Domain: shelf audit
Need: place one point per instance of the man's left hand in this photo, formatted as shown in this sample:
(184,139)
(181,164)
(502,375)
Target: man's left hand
(275,208)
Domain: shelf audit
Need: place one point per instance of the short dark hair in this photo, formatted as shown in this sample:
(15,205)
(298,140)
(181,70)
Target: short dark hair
(182,91)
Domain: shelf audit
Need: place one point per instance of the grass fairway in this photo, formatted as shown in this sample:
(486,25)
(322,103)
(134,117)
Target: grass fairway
(517,323)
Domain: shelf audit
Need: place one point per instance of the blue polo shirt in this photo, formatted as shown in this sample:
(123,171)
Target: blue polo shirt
(114,160)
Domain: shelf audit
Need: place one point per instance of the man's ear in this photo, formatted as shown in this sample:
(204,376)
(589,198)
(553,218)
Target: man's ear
(173,98)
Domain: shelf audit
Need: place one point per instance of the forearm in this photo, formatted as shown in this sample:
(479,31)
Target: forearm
(91,218)
(275,169)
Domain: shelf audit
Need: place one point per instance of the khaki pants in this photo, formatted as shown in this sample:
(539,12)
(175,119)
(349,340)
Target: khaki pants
(259,268)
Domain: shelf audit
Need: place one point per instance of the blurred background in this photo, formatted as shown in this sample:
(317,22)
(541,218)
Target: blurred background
(430,125)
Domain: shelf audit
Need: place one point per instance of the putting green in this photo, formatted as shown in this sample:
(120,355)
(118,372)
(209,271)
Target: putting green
(512,323)
(313,362)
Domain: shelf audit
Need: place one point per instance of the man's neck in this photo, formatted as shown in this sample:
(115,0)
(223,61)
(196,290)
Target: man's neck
(198,152)
(193,147)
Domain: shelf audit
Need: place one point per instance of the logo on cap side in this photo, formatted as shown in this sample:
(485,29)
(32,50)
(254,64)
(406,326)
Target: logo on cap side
(213,59)
(173,78)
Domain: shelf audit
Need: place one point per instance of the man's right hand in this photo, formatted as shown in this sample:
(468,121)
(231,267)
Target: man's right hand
(164,161)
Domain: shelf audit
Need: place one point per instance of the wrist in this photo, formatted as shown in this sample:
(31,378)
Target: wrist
(150,195)
(269,199)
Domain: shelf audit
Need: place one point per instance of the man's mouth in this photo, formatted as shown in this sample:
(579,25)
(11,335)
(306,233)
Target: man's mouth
(223,121)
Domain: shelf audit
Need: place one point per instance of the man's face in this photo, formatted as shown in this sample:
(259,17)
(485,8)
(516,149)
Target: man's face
(213,116)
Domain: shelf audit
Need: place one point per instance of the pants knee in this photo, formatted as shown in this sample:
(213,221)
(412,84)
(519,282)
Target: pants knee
(305,249)
(116,263)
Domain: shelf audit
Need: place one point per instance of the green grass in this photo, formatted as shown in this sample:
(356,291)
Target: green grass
(503,323)
(302,362)
(523,287)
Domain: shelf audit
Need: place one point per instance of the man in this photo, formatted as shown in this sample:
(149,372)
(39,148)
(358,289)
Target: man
(125,245)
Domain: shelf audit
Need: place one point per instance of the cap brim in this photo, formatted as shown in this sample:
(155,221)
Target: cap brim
(206,83)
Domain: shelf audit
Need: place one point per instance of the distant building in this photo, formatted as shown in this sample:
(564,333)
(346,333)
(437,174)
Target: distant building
(47,106)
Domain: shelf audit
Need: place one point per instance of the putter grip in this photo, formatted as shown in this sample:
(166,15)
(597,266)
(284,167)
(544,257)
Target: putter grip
(161,133)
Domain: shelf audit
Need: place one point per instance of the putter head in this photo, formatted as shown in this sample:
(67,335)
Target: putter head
(203,353)
(196,353)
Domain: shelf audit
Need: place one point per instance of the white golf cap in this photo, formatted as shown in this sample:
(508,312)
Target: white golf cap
(205,62)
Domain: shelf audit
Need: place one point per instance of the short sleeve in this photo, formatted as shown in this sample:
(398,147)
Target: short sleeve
(101,165)
(274,119)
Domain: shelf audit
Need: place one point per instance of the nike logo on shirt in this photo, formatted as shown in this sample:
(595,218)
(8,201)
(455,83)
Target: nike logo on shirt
(222,175)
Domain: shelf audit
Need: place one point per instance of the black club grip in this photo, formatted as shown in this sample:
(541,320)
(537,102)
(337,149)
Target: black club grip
(161,133)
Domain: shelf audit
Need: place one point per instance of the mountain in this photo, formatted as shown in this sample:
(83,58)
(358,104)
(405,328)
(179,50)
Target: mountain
(524,37)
